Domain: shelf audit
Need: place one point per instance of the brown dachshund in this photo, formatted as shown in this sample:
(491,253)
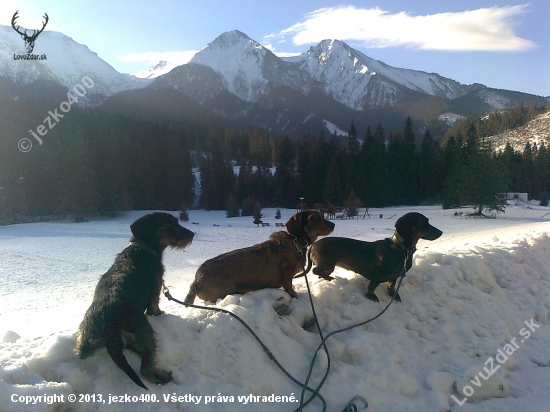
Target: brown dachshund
(270,264)
(379,261)
(129,289)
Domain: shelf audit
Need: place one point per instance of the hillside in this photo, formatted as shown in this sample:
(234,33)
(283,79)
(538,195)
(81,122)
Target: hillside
(536,131)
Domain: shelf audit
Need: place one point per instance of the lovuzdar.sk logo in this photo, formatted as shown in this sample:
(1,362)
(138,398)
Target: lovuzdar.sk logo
(29,39)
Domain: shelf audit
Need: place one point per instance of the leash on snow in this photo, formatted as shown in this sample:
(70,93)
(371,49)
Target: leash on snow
(264,347)
(351,406)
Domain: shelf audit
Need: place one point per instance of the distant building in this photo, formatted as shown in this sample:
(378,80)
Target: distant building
(517,196)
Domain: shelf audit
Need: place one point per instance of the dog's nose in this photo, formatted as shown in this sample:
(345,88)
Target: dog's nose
(435,234)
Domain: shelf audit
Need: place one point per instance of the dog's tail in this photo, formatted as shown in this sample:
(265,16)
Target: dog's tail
(309,264)
(190,298)
(88,339)
(114,345)
(83,347)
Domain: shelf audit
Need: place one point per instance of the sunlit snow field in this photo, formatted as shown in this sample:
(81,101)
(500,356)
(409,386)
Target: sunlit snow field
(466,297)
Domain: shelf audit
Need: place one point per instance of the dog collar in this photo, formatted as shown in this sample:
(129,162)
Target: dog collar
(398,240)
(296,241)
(300,250)
(142,245)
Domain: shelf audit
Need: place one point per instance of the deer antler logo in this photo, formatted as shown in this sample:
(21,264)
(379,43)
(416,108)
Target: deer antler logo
(29,40)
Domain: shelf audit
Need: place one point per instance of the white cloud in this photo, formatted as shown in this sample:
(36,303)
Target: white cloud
(179,57)
(487,29)
(270,47)
(286,54)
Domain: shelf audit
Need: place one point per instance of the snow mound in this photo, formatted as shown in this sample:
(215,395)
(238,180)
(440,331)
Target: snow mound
(460,307)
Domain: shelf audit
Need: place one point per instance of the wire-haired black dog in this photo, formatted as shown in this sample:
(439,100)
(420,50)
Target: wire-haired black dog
(130,288)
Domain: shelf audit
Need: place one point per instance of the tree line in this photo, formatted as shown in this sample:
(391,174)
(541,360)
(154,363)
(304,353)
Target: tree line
(91,164)
(381,170)
(98,163)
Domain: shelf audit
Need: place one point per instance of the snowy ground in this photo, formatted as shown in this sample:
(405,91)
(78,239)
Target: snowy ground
(465,299)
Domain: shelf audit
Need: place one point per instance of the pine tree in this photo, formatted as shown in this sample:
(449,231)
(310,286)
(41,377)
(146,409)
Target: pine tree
(244,183)
(452,171)
(206,182)
(332,188)
(125,202)
(231,207)
(257,214)
(247,208)
(307,163)
(285,174)
(483,182)
(397,171)
(544,199)
(184,215)
(278,214)
(78,179)
(352,204)
(353,143)
(217,181)
(542,171)
(409,164)
(430,168)
(379,190)
(527,175)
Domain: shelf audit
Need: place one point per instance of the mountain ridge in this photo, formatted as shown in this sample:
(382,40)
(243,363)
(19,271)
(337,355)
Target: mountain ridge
(238,79)
(67,63)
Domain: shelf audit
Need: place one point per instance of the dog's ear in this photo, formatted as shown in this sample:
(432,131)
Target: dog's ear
(143,229)
(404,226)
(294,226)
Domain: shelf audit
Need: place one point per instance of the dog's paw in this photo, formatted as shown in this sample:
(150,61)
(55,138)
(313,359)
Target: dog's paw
(154,312)
(165,377)
(395,296)
(373,297)
(292,294)
(157,375)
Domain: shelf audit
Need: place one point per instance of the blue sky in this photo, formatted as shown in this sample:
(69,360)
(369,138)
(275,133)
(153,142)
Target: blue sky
(500,43)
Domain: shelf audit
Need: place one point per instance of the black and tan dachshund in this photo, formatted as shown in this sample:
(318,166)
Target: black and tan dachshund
(129,289)
(379,261)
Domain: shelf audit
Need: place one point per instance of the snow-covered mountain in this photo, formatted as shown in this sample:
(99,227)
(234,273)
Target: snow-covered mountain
(237,78)
(162,67)
(66,64)
(248,69)
(360,82)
